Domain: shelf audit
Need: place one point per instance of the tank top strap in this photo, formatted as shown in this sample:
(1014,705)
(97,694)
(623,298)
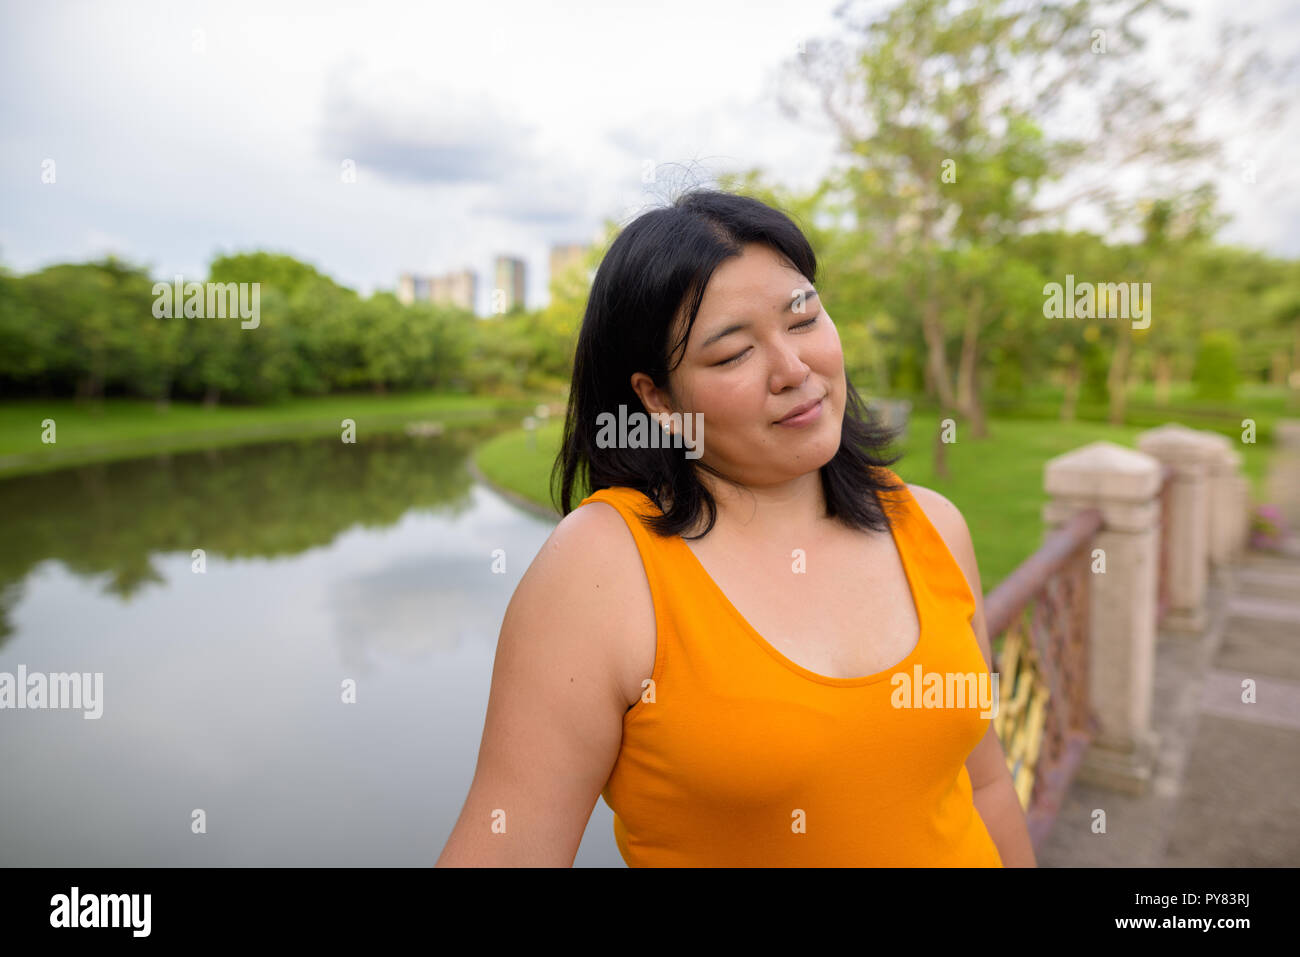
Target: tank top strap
(656,551)
(940,576)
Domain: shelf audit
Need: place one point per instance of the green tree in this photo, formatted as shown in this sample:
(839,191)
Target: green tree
(942,107)
(1216,375)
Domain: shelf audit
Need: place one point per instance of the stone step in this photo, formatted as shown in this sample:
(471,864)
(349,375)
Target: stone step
(1257,647)
(1272,700)
(1280,562)
(1280,580)
(1267,609)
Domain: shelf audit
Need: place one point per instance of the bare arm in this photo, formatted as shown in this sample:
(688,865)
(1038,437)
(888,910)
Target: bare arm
(994,790)
(554,721)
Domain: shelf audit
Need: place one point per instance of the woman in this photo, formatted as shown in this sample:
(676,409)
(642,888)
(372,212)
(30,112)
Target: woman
(721,639)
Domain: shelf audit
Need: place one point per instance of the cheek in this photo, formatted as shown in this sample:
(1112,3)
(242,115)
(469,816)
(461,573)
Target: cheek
(735,406)
(833,347)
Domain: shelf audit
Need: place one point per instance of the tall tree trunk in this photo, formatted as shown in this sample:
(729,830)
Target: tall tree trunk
(882,372)
(1295,356)
(211,395)
(1277,371)
(1073,379)
(97,392)
(1164,378)
(936,357)
(163,400)
(941,447)
(932,325)
(978,424)
(968,398)
(1117,378)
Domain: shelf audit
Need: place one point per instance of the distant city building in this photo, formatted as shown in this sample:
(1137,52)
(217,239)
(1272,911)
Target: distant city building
(406,288)
(507,285)
(458,289)
(566,255)
(454,288)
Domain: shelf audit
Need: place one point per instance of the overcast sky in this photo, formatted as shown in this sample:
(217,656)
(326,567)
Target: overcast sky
(181,130)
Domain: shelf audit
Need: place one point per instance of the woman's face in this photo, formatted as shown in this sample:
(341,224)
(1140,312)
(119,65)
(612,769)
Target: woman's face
(762,345)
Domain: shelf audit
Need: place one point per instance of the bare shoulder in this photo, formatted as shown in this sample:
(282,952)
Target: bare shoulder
(951,524)
(942,513)
(596,523)
(596,537)
(594,542)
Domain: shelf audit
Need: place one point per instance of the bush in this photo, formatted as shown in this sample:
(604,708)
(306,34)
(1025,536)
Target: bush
(1095,389)
(1216,375)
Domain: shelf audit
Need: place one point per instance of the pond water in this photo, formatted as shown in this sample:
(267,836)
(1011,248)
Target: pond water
(222,690)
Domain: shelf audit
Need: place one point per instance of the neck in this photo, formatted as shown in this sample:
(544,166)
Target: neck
(769,512)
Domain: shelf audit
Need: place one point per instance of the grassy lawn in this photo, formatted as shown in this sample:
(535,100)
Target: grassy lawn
(1264,404)
(996,482)
(123,428)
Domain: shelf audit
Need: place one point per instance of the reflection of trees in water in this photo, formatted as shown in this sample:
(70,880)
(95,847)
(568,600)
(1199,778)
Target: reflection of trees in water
(10,592)
(253,501)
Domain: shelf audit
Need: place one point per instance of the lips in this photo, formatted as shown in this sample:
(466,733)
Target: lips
(800,409)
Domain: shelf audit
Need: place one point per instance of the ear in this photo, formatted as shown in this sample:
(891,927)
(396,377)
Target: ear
(655,399)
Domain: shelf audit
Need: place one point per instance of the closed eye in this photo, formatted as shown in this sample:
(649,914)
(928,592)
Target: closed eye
(740,355)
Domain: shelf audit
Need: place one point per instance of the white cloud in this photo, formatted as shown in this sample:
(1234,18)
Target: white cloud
(478,129)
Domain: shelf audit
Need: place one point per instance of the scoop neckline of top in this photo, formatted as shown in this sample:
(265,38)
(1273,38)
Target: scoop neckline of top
(909,573)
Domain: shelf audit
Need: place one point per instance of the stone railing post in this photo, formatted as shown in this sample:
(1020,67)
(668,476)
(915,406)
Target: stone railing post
(1244,500)
(1124,485)
(1224,505)
(1285,473)
(1190,453)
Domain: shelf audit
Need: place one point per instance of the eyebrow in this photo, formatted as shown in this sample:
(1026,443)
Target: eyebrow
(810,293)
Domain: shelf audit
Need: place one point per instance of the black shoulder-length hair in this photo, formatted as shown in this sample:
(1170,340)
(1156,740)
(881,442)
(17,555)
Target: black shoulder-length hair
(653,272)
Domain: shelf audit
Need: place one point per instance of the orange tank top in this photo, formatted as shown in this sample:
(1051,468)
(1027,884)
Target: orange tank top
(745,758)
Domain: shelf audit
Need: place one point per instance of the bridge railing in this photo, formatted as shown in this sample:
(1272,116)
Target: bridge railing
(1131,537)
(1043,720)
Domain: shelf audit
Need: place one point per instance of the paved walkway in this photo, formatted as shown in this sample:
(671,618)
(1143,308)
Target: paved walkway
(1226,791)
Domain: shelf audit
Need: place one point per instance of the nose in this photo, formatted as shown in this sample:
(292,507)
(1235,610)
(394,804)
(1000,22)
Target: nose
(788,368)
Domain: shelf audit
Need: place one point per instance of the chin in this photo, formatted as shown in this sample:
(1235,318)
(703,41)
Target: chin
(823,450)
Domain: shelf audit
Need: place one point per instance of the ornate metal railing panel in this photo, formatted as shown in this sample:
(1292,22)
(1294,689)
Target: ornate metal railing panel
(1043,718)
